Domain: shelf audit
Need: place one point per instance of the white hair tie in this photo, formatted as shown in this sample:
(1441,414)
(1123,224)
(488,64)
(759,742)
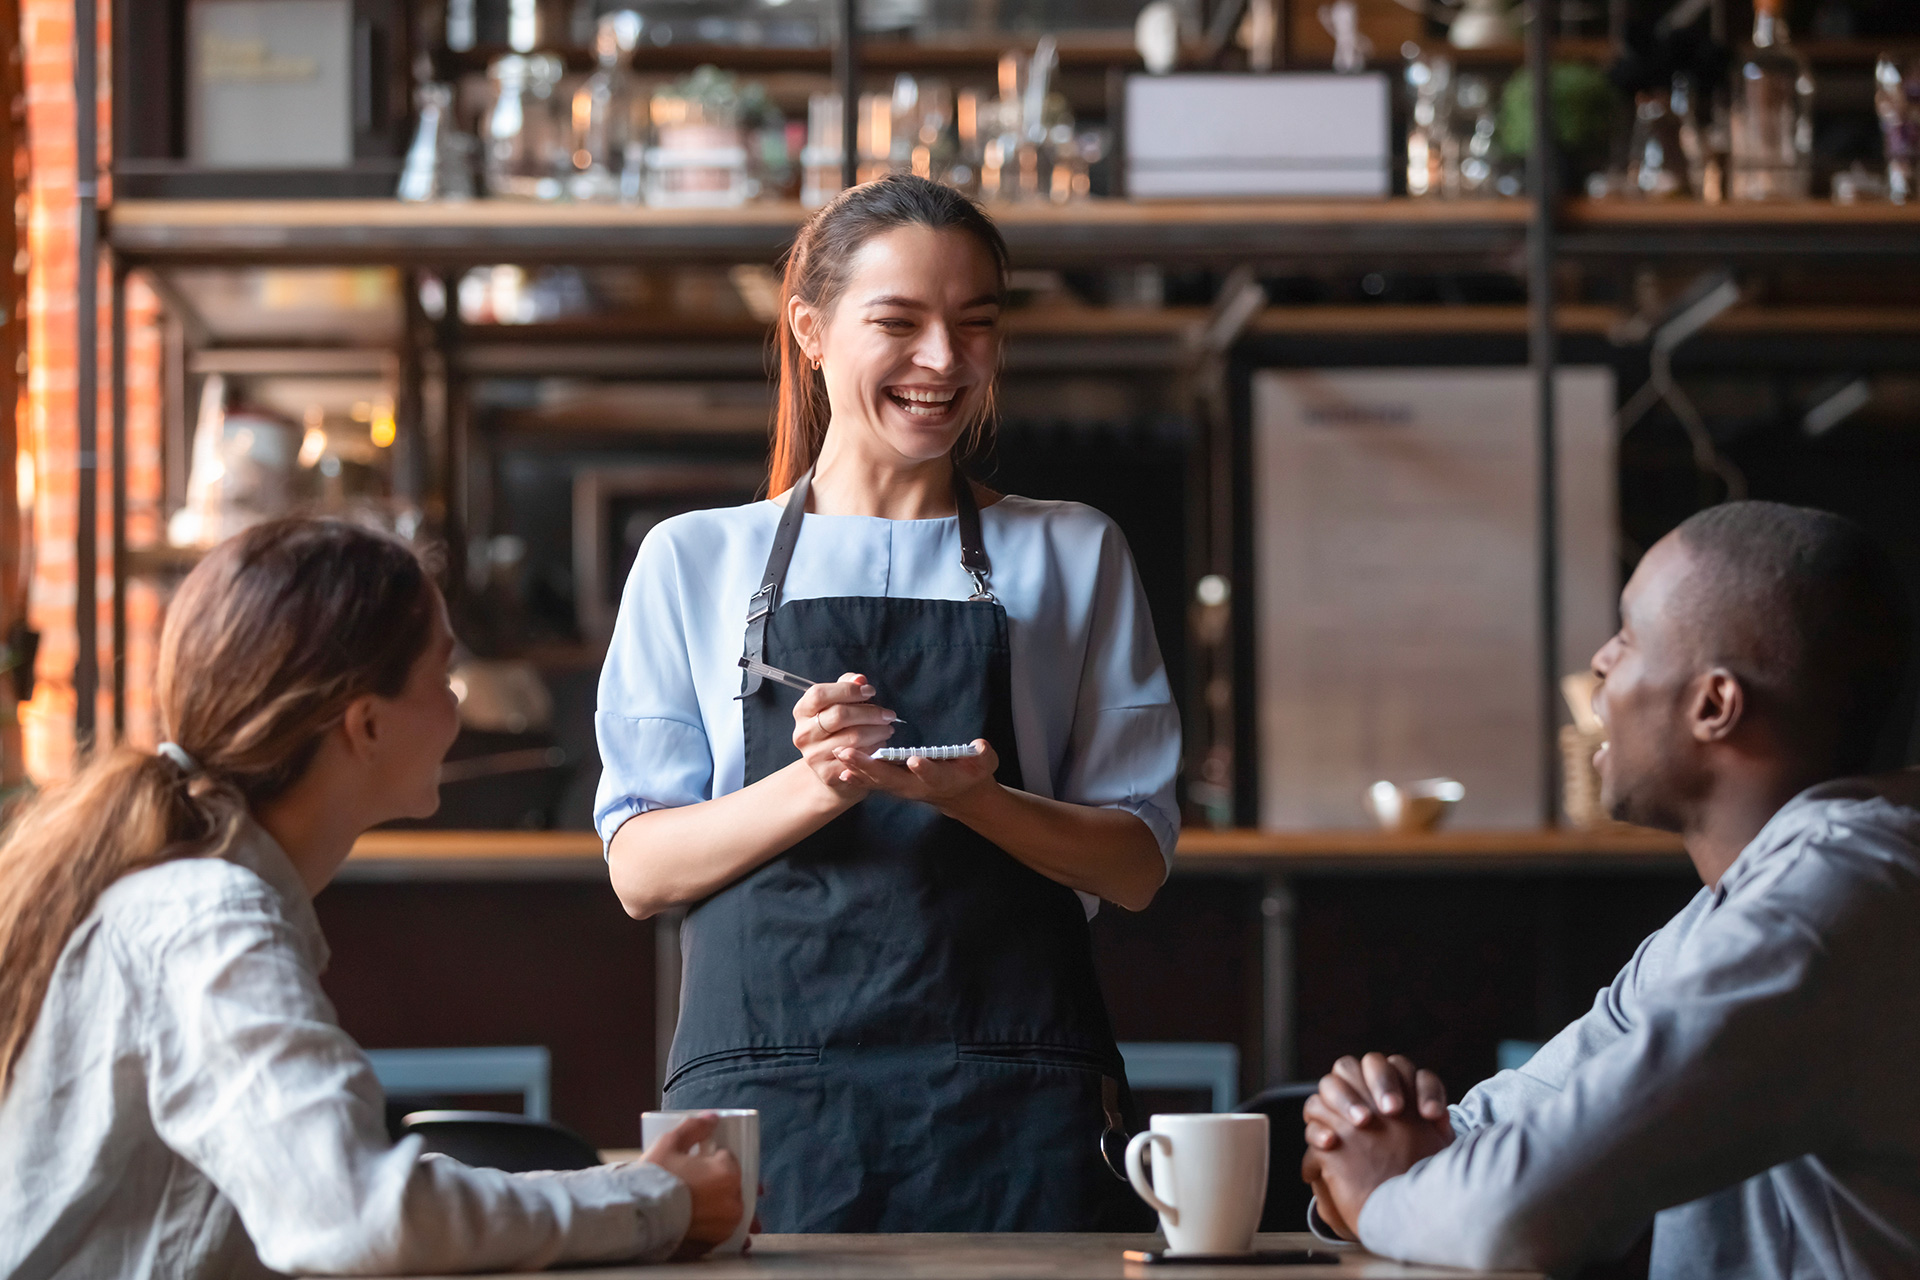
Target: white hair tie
(178,754)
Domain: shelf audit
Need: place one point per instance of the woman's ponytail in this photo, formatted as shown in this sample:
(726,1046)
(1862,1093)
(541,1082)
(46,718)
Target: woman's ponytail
(123,811)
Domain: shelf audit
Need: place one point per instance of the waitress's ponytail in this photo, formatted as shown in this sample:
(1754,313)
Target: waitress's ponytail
(266,643)
(816,273)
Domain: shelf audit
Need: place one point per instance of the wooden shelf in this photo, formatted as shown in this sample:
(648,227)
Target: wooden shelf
(1092,233)
(431,855)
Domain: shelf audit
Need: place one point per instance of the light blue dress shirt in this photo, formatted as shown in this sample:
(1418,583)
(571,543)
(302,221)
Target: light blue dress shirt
(1746,1081)
(1094,719)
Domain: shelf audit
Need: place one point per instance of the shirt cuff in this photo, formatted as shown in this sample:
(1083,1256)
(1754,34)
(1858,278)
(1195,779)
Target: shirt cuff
(614,817)
(1318,1225)
(624,1212)
(1165,833)
(1377,1220)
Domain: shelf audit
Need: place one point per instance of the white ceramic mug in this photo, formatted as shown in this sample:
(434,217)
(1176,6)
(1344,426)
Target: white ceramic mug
(1209,1179)
(738,1132)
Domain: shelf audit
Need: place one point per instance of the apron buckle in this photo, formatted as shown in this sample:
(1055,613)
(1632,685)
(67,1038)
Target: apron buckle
(981,591)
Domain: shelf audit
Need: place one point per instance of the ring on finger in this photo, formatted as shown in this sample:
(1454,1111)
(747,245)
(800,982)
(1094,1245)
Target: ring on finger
(818,728)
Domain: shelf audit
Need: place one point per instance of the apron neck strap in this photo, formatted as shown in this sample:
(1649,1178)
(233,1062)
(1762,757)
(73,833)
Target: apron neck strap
(973,558)
(785,536)
(973,552)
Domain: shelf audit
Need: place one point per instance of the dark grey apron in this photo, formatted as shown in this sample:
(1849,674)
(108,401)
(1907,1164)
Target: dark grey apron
(913,1011)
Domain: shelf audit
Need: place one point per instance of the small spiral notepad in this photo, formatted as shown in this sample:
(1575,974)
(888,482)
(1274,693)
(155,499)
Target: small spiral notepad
(900,755)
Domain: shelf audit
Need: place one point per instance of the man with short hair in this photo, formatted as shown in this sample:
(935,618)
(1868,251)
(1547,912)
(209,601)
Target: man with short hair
(1747,1081)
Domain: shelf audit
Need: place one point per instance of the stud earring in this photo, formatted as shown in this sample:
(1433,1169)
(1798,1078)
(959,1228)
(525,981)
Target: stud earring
(816,363)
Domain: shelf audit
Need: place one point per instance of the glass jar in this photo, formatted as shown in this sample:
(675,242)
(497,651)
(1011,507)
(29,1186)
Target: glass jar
(525,144)
(699,155)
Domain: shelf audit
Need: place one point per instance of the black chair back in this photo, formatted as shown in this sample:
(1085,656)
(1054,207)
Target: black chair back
(1287,1196)
(501,1140)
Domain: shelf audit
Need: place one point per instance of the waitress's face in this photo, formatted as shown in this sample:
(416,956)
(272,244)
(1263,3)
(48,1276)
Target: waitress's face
(910,348)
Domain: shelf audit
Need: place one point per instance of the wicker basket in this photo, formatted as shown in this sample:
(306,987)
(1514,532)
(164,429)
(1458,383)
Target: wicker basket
(1579,780)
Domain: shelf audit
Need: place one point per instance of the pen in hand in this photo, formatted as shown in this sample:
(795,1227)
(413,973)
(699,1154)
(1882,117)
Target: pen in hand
(786,678)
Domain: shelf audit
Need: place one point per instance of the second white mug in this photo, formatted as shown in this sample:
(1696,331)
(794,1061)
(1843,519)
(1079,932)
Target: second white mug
(1209,1180)
(738,1132)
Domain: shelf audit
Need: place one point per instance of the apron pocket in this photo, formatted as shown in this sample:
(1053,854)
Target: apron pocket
(1036,1055)
(738,1061)
(1045,1112)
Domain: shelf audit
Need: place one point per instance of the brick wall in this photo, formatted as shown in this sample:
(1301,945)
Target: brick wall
(51,430)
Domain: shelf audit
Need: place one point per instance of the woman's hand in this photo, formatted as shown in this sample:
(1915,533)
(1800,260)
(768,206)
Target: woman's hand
(712,1178)
(831,719)
(940,783)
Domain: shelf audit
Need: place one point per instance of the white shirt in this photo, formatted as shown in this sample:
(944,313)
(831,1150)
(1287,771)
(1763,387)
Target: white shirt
(1094,719)
(187,1106)
(1748,1078)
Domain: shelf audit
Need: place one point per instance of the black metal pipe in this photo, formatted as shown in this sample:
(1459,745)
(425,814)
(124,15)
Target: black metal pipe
(119,393)
(846,74)
(1542,355)
(86,662)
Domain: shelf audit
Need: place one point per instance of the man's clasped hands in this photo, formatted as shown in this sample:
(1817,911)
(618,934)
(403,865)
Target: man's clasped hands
(1372,1119)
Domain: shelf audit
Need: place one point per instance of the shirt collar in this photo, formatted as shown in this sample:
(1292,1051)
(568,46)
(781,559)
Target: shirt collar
(257,851)
(1805,811)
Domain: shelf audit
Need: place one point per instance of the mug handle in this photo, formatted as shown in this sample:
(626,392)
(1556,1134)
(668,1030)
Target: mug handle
(1137,1173)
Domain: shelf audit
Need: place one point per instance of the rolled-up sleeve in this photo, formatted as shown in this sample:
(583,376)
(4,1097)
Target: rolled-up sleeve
(654,752)
(1124,752)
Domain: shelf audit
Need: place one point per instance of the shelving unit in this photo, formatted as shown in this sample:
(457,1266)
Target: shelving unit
(1526,238)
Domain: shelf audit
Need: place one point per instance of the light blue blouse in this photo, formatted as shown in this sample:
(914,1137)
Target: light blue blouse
(1094,719)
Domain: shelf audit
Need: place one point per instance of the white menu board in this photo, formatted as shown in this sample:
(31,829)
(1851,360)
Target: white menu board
(270,83)
(1397,581)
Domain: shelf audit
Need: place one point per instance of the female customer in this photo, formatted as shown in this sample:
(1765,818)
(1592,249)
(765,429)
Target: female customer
(891,960)
(178,1098)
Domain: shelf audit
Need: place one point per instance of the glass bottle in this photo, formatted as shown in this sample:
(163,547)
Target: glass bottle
(1430,78)
(1772,114)
(1896,100)
(1656,154)
(607,115)
(1474,119)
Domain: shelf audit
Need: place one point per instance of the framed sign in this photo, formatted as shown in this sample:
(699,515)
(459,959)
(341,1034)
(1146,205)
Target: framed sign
(615,508)
(1397,581)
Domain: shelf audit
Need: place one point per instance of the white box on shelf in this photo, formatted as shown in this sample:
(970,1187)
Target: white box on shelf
(1297,133)
(270,83)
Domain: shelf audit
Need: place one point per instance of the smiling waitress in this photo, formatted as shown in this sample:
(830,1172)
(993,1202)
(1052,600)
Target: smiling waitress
(891,961)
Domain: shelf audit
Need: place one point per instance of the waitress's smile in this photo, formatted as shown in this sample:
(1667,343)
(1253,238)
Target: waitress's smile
(933,406)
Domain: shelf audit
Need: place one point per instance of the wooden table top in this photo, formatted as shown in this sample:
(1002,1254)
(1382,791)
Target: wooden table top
(1012,1256)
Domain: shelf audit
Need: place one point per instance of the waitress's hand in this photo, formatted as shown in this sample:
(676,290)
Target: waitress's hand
(940,783)
(834,718)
